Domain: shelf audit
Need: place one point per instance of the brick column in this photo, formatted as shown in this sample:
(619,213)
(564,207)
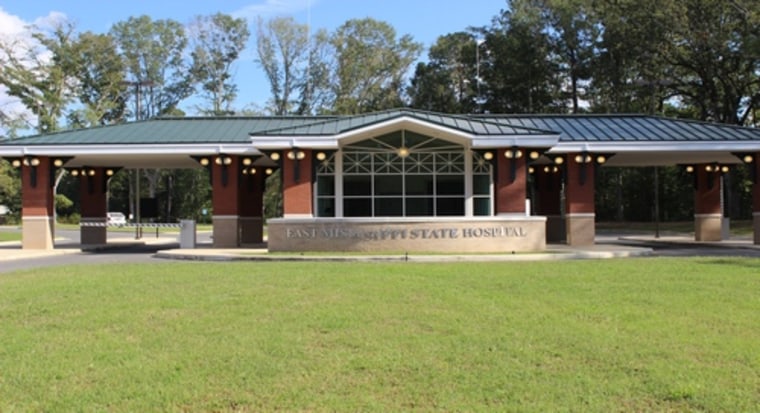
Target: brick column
(225,197)
(92,196)
(708,216)
(251,205)
(548,186)
(511,182)
(297,188)
(37,203)
(579,201)
(755,165)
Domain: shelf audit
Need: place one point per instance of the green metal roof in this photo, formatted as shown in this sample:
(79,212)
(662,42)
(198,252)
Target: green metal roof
(188,130)
(628,128)
(339,125)
(238,130)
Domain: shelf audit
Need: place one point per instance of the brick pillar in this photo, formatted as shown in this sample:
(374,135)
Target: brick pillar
(92,197)
(708,216)
(225,197)
(548,186)
(251,205)
(579,201)
(511,183)
(756,197)
(297,188)
(37,203)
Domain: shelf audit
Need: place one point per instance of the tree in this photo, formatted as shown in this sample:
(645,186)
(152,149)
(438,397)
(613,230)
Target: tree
(448,81)
(629,70)
(370,66)
(715,57)
(295,65)
(101,73)
(518,73)
(10,187)
(572,33)
(217,42)
(41,73)
(283,54)
(154,55)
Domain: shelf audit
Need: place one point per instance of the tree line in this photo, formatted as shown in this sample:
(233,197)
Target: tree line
(697,59)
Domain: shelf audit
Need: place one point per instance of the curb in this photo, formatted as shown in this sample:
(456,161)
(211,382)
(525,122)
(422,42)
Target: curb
(188,255)
(727,244)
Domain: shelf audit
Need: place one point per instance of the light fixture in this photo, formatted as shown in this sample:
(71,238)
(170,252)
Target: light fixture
(16,163)
(559,160)
(109,172)
(583,158)
(748,159)
(268,171)
(531,170)
(296,154)
(488,156)
(513,153)
(91,172)
(275,156)
(321,156)
(247,161)
(601,159)
(58,162)
(708,168)
(227,160)
(75,172)
(725,169)
(534,155)
(32,161)
(690,169)
(403,152)
(547,169)
(203,161)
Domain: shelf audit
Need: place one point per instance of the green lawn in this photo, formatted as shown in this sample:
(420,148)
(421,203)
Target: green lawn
(10,236)
(591,336)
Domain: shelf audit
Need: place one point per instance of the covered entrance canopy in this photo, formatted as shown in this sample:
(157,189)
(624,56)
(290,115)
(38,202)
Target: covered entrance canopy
(402,180)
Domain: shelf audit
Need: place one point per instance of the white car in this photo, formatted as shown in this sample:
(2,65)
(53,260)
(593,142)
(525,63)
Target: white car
(116,218)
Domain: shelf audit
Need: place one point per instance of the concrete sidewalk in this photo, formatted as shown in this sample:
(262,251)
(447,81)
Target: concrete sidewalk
(11,250)
(743,242)
(607,246)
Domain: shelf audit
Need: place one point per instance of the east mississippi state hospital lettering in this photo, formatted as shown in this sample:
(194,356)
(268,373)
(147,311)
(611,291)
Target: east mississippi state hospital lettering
(412,234)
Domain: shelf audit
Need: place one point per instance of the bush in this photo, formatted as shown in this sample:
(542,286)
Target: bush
(73,218)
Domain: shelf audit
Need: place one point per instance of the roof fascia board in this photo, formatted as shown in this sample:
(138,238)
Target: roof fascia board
(186,149)
(523,141)
(272,143)
(681,146)
(409,123)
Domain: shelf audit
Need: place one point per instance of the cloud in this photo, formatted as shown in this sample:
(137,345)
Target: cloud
(273,8)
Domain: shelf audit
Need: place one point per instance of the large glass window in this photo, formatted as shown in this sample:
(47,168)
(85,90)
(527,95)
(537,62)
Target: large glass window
(404,174)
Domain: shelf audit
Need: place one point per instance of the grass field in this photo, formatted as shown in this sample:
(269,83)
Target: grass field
(591,336)
(9,236)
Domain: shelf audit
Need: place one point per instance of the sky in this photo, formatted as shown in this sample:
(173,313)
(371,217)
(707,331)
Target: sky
(424,20)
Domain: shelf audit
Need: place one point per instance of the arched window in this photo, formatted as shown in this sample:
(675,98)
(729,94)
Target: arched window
(403,174)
